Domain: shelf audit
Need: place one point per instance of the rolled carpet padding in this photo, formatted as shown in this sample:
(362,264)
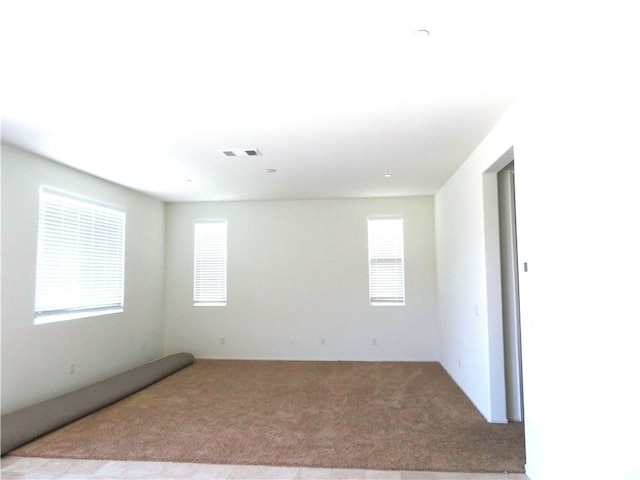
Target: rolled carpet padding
(24,425)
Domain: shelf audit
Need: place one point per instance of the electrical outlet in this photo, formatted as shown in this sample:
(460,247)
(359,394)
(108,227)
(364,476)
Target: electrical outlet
(323,341)
(292,340)
(222,341)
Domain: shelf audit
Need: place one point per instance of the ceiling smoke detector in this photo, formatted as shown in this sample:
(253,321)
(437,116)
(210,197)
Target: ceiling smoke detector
(249,152)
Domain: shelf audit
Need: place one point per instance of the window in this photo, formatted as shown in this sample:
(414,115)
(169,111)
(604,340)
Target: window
(210,263)
(386,261)
(80,259)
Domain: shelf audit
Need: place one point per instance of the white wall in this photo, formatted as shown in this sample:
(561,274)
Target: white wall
(578,198)
(299,269)
(578,223)
(574,134)
(577,231)
(468,263)
(36,359)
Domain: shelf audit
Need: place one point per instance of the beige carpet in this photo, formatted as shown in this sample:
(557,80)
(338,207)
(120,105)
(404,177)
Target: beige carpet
(381,415)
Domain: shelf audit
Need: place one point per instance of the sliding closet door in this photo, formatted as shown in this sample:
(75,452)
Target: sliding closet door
(510,293)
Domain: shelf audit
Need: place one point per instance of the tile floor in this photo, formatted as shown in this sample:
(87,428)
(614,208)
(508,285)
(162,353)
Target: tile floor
(14,468)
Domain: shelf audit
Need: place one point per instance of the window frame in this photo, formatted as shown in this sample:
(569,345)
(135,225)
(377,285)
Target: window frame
(80,255)
(218,284)
(395,264)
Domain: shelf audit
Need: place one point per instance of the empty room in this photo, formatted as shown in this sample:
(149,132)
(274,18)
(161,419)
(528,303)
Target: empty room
(318,240)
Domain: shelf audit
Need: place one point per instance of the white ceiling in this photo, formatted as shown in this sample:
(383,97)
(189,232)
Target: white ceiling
(334,94)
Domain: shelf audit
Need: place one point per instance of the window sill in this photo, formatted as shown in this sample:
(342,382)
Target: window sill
(63,317)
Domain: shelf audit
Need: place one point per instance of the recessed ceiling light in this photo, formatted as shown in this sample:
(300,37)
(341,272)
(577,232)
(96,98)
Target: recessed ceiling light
(387,175)
(270,170)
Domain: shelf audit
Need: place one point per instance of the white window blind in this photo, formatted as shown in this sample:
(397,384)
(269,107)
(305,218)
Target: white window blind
(80,259)
(386,261)
(210,263)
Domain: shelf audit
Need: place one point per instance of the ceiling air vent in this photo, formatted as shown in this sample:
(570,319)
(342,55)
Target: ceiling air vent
(250,152)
